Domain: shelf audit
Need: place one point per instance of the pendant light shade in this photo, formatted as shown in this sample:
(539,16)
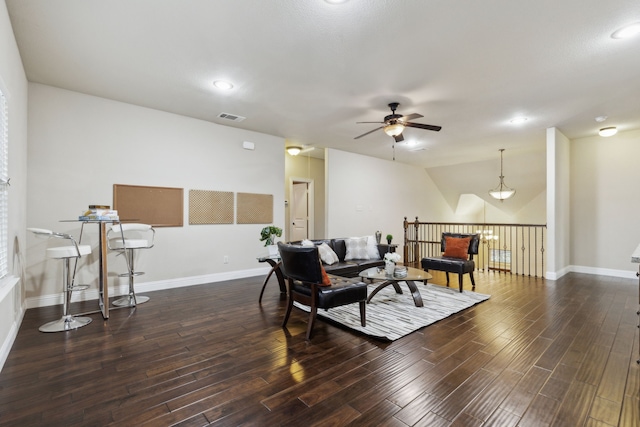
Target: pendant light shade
(501,192)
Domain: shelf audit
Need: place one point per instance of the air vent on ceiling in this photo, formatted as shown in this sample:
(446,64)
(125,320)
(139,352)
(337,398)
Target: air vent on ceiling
(232,117)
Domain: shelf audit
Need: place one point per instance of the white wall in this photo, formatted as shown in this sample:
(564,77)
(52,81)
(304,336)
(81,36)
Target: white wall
(13,83)
(605,205)
(80,145)
(558,204)
(365,194)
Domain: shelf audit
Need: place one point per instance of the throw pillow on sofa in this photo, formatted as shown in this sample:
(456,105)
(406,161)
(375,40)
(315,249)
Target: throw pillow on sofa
(327,255)
(372,248)
(356,248)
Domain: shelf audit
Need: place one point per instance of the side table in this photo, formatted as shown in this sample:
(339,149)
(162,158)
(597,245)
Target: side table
(274,261)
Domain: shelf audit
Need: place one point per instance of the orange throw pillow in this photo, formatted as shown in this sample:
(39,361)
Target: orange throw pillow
(456,247)
(325,278)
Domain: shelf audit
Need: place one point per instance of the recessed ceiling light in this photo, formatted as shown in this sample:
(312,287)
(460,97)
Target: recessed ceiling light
(221,84)
(627,31)
(336,1)
(518,120)
(601,119)
(610,131)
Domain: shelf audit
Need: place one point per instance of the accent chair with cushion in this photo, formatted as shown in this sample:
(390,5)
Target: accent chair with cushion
(309,284)
(457,256)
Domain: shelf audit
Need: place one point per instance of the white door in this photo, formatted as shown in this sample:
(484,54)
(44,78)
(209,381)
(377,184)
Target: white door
(299,211)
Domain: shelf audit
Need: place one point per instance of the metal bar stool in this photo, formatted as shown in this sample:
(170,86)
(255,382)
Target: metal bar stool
(126,238)
(65,253)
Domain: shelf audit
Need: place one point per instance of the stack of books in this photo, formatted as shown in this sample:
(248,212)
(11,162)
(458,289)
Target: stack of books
(400,272)
(99,213)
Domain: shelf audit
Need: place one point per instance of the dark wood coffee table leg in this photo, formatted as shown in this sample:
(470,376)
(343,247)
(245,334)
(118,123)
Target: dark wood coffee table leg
(415,293)
(417,298)
(384,285)
(275,268)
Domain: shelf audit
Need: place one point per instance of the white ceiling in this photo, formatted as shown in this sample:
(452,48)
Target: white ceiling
(309,70)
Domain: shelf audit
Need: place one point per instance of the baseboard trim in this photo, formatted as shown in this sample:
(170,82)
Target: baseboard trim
(92,294)
(555,275)
(603,271)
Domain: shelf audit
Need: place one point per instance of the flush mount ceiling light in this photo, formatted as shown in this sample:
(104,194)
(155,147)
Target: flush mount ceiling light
(627,31)
(221,84)
(394,129)
(609,131)
(518,120)
(502,192)
(294,150)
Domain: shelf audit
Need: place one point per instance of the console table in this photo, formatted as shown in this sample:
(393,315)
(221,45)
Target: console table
(635,258)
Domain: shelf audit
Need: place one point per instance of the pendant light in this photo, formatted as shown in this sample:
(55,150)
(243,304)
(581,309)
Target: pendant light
(502,192)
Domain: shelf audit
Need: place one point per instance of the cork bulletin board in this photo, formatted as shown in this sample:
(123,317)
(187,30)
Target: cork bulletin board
(157,206)
(210,207)
(254,208)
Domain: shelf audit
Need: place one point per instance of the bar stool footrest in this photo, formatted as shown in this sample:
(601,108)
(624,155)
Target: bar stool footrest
(135,273)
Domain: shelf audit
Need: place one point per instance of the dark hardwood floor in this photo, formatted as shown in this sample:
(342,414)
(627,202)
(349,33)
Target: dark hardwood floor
(538,353)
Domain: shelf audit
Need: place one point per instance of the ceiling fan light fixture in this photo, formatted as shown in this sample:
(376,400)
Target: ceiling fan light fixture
(394,129)
(608,131)
(502,192)
(294,150)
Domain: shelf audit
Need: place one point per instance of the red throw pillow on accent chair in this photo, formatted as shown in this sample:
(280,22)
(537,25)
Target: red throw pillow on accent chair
(456,247)
(325,278)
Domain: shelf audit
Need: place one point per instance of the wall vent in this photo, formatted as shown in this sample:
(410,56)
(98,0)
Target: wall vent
(232,117)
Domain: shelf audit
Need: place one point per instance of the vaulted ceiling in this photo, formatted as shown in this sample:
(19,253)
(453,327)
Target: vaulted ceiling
(309,70)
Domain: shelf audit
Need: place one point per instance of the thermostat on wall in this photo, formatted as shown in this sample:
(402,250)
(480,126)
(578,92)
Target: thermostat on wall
(248,145)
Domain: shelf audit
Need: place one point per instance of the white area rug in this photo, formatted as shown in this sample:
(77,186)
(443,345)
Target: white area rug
(391,316)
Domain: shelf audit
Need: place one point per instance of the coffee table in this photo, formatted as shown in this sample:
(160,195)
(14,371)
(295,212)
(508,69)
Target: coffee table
(413,275)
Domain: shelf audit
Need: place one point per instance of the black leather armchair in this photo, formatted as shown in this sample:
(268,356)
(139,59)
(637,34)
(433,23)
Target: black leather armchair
(303,276)
(455,265)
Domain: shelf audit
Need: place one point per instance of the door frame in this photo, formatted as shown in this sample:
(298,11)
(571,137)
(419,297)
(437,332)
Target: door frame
(310,201)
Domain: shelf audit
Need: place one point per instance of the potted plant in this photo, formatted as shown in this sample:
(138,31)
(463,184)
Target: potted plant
(389,238)
(268,236)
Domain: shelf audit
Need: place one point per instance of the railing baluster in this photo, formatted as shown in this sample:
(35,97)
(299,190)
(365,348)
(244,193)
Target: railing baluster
(509,248)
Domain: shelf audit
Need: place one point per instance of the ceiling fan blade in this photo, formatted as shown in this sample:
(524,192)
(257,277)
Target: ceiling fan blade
(307,149)
(399,138)
(411,117)
(421,126)
(369,122)
(367,133)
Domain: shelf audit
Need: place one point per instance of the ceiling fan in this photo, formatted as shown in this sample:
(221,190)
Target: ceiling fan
(394,124)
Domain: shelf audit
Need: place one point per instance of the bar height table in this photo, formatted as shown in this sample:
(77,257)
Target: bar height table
(103,285)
